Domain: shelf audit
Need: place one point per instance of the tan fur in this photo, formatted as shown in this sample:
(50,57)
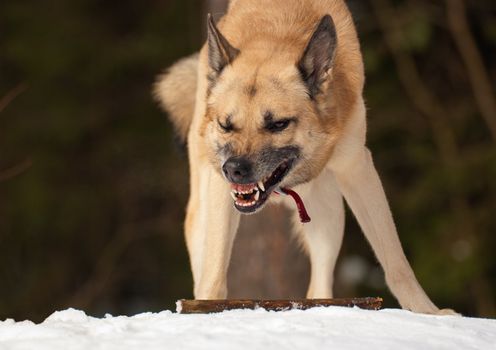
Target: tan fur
(271,37)
(173,90)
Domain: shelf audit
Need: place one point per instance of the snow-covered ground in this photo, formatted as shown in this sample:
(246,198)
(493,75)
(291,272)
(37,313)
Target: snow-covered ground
(319,328)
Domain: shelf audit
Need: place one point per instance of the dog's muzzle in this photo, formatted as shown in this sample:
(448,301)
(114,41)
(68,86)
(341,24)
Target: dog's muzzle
(249,193)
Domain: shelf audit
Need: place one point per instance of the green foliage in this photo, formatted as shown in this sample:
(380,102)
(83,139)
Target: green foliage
(102,161)
(418,32)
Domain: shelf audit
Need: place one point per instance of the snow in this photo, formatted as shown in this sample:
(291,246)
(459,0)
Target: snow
(318,328)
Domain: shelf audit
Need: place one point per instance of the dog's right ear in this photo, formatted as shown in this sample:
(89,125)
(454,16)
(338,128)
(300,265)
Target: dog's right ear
(220,52)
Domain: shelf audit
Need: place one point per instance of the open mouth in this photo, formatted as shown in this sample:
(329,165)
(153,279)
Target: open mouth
(250,197)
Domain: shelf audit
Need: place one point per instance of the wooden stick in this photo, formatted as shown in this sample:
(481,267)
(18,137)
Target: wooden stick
(184,306)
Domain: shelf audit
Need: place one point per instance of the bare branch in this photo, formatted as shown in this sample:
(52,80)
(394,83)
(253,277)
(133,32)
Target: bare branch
(104,269)
(15,170)
(185,306)
(12,94)
(477,72)
(426,102)
(418,92)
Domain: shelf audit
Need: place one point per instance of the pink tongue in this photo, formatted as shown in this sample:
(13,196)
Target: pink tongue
(299,204)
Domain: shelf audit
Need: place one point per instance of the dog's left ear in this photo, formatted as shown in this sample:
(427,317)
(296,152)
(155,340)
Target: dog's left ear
(318,55)
(220,51)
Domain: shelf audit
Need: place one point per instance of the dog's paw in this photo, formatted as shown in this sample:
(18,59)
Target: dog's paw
(447,312)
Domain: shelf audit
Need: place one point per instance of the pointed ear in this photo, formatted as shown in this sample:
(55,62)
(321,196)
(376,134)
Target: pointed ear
(318,55)
(220,52)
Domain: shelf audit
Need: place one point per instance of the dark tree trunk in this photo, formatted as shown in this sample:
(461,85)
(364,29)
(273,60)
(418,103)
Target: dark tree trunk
(266,260)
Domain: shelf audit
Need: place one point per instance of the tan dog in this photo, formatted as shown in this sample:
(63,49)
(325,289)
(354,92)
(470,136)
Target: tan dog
(279,105)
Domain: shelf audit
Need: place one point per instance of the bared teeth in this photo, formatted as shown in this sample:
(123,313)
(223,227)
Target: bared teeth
(252,191)
(244,188)
(248,204)
(261,186)
(257,196)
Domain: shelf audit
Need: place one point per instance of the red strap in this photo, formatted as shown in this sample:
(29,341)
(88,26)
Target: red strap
(299,204)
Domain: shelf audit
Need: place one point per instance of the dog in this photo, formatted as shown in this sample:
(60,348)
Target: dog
(273,104)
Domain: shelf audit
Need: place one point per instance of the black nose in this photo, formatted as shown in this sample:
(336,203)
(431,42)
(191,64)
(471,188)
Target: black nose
(238,170)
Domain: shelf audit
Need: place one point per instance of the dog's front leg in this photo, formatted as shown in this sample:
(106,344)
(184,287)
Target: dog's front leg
(324,234)
(219,224)
(362,188)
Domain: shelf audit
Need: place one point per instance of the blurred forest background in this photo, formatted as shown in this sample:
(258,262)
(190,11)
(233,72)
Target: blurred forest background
(92,189)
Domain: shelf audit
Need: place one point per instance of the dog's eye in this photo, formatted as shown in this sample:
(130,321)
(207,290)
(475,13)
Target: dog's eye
(278,125)
(227,127)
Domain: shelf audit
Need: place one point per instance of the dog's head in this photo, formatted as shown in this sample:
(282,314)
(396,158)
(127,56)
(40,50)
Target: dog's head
(267,123)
